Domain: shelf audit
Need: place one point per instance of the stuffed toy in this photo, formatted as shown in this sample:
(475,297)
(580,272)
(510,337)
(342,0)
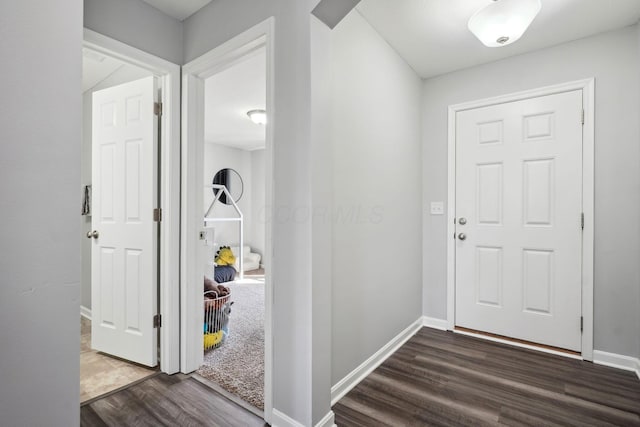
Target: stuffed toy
(220,290)
(225,256)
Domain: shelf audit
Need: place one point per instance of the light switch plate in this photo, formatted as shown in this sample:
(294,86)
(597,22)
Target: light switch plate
(437,208)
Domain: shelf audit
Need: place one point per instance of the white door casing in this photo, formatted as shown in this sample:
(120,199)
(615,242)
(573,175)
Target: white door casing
(519,186)
(124,253)
(193,75)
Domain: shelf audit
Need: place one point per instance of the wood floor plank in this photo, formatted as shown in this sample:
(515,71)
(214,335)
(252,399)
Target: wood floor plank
(165,400)
(444,379)
(88,417)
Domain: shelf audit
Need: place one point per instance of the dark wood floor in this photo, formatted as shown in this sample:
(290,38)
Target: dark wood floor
(445,379)
(436,379)
(164,400)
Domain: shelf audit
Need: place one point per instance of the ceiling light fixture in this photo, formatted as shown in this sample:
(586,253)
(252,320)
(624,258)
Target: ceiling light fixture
(258,117)
(503,21)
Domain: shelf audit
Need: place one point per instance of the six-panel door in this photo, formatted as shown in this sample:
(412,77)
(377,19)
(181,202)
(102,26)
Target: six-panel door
(519,190)
(124,251)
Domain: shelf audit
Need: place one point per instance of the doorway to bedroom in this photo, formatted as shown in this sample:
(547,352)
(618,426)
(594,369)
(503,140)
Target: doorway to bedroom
(129,309)
(234,206)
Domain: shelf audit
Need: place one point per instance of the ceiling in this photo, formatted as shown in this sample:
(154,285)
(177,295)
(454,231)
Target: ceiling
(100,71)
(179,9)
(229,94)
(96,68)
(432,35)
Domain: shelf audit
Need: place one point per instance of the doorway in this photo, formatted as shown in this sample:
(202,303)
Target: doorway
(521,226)
(203,239)
(233,209)
(112,72)
(106,359)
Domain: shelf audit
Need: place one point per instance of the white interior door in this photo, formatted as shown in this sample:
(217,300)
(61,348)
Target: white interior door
(124,251)
(519,207)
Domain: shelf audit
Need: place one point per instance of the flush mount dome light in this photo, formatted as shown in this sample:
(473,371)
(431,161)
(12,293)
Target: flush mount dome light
(258,117)
(503,21)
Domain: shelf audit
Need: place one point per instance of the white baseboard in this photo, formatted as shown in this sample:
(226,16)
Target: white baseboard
(619,361)
(354,377)
(431,322)
(279,419)
(328,420)
(85,312)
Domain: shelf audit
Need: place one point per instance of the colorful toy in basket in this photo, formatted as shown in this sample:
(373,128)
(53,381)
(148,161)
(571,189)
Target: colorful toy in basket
(212,339)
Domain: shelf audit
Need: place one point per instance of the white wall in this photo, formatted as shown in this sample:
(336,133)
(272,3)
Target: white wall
(612,58)
(294,393)
(126,73)
(137,24)
(258,202)
(377,265)
(40,125)
(218,157)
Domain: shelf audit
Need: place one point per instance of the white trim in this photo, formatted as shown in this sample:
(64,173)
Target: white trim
(85,312)
(518,344)
(588,202)
(194,73)
(433,323)
(169,75)
(352,379)
(451,215)
(619,361)
(328,420)
(588,140)
(280,419)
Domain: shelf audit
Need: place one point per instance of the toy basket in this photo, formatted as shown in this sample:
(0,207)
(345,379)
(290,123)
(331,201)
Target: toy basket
(216,319)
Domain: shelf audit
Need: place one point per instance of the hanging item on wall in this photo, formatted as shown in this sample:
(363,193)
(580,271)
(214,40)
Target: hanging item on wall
(230,179)
(86,201)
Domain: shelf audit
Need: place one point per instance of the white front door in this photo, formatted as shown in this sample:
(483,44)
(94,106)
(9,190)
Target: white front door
(124,251)
(518,219)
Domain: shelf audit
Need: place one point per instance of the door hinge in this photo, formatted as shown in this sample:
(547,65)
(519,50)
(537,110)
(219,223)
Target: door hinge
(157,108)
(157,214)
(582,116)
(157,321)
(582,220)
(581,323)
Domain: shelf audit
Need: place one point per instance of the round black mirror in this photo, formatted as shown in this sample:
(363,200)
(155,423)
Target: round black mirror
(230,179)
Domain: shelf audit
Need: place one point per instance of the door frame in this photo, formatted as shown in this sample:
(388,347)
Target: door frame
(193,75)
(587,86)
(169,170)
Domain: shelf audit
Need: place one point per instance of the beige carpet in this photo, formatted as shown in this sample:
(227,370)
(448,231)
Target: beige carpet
(238,364)
(100,373)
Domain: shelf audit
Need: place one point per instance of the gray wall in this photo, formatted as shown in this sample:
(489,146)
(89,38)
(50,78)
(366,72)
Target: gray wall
(137,24)
(612,58)
(638,327)
(294,393)
(376,144)
(322,190)
(40,126)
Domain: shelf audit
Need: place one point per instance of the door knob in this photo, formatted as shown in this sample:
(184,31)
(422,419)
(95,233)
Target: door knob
(93,234)
(462,221)
(462,236)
